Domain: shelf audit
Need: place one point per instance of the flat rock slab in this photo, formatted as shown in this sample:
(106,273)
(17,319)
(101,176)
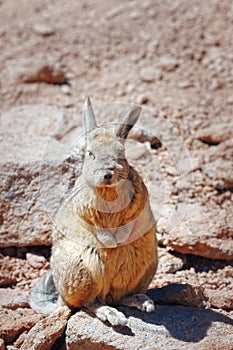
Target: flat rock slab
(205,231)
(13,298)
(15,322)
(34,174)
(169,327)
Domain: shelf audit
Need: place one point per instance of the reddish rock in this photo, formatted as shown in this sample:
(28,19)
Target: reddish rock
(41,68)
(179,294)
(13,298)
(17,270)
(45,332)
(13,323)
(215,133)
(36,261)
(220,173)
(168,263)
(221,298)
(34,175)
(203,231)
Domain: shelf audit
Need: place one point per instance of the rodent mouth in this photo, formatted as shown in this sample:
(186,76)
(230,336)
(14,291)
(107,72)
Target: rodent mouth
(108,178)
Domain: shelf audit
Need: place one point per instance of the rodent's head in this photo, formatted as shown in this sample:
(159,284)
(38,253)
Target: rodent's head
(105,163)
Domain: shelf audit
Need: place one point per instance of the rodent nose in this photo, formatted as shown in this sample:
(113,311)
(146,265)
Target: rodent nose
(108,176)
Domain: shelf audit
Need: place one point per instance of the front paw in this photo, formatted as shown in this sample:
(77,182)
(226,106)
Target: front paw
(112,315)
(148,306)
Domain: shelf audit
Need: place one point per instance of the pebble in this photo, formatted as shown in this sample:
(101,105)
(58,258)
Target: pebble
(168,63)
(35,261)
(184,84)
(150,74)
(43,29)
(66,89)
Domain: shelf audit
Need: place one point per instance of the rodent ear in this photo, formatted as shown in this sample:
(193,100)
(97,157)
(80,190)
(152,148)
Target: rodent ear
(89,121)
(128,122)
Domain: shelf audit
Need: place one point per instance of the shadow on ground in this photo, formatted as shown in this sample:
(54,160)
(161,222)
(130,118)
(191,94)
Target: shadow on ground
(183,323)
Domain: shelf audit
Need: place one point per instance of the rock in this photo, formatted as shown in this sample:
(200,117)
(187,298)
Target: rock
(19,341)
(218,298)
(150,74)
(39,69)
(178,294)
(142,99)
(65,88)
(13,323)
(168,263)
(215,134)
(43,29)
(43,335)
(17,271)
(169,327)
(230,100)
(220,172)
(204,231)
(36,174)
(2,346)
(6,275)
(217,163)
(13,298)
(168,63)
(184,84)
(36,261)
(5,279)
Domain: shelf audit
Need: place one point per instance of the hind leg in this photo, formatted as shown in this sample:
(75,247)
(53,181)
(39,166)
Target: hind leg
(76,273)
(137,298)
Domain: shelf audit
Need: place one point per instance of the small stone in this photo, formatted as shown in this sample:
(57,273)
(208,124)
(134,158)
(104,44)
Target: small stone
(215,85)
(43,29)
(142,99)
(215,133)
(168,63)
(184,84)
(36,261)
(150,74)
(168,263)
(230,100)
(65,88)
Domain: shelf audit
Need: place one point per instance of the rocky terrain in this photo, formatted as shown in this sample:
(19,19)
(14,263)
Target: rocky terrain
(175,59)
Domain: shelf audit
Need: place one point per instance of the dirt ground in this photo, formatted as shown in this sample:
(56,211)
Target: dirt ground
(173,57)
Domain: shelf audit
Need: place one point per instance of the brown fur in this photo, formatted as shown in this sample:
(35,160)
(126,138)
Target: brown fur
(82,267)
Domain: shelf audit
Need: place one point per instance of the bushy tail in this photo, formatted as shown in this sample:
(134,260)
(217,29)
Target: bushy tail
(44,296)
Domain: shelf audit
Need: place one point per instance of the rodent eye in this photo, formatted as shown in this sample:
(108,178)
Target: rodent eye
(91,155)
